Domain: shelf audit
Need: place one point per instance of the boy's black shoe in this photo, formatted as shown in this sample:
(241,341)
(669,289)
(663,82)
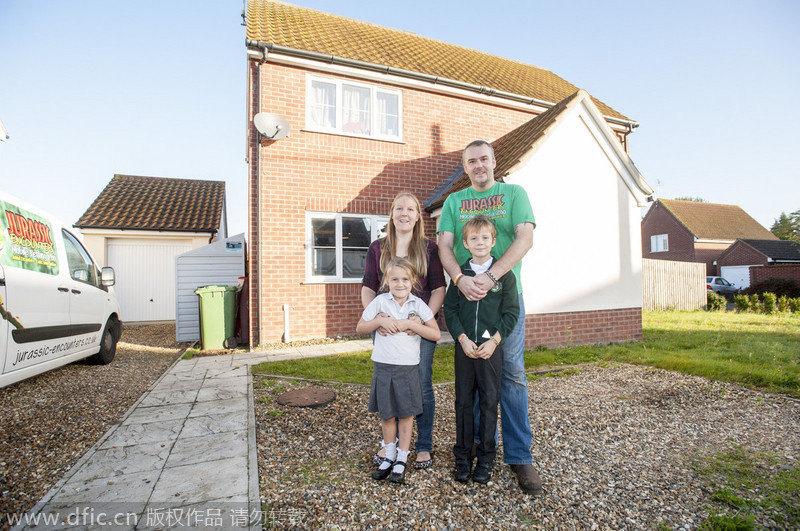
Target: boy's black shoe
(483,473)
(463,470)
(380,473)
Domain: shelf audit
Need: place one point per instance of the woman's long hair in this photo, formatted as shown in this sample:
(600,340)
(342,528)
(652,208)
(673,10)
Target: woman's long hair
(417,249)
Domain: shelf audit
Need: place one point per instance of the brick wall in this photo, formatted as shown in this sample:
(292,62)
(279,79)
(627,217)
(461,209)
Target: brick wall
(659,220)
(760,274)
(583,328)
(310,171)
(739,254)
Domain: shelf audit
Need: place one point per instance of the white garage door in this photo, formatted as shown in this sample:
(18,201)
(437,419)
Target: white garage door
(739,275)
(145,271)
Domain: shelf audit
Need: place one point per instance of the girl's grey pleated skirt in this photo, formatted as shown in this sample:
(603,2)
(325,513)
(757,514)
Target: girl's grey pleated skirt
(396,391)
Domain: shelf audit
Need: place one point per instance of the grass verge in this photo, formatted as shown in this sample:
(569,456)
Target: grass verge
(757,351)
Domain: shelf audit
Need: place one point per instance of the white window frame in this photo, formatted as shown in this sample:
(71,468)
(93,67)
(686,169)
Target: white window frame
(376,222)
(659,243)
(339,127)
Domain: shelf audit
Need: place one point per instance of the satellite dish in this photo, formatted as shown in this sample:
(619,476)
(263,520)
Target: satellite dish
(271,125)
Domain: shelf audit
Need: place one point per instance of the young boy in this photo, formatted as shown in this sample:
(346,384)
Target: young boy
(480,327)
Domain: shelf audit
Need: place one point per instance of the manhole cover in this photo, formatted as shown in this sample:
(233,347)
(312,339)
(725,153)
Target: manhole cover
(307,397)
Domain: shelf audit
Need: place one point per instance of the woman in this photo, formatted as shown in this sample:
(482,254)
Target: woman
(405,238)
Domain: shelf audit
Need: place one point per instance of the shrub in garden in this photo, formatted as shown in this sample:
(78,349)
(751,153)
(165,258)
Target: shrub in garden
(783,303)
(778,286)
(769,303)
(715,302)
(755,303)
(794,305)
(742,302)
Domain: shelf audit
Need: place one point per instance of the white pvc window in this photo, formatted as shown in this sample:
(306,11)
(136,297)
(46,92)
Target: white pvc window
(337,243)
(659,243)
(352,108)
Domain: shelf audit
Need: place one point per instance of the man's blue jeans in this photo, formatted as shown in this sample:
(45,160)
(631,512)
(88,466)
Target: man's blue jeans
(516,424)
(425,419)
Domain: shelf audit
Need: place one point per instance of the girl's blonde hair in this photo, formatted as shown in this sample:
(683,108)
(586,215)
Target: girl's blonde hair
(403,264)
(417,250)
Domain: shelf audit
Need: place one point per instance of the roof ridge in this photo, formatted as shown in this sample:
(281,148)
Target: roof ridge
(407,32)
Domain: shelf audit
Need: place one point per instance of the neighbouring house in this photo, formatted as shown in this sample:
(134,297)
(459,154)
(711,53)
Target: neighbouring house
(138,225)
(734,264)
(373,111)
(691,231)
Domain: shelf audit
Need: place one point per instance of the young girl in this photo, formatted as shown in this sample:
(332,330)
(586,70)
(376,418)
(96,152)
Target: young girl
(396,392)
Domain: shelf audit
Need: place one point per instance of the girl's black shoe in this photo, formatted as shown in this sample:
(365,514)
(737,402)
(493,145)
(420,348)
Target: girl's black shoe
(398,477)
(381,473)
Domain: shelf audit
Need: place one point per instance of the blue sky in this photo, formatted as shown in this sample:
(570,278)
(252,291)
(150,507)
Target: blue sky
(157,87)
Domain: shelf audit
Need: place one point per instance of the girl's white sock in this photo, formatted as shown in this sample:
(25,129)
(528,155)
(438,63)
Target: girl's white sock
(402,457)
(391,455)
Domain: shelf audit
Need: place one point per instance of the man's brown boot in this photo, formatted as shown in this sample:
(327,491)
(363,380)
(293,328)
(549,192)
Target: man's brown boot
(528,479)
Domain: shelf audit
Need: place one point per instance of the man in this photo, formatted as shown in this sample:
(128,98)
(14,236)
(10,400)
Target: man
(508,207)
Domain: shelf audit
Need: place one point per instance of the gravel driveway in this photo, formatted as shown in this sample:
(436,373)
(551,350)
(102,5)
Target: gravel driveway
(615,447)
(47,422)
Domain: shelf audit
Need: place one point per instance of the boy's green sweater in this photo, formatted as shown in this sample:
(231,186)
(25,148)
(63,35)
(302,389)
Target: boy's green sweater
(479,320)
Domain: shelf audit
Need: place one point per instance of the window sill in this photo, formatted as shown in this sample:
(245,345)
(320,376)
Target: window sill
(353,135)
(332,281)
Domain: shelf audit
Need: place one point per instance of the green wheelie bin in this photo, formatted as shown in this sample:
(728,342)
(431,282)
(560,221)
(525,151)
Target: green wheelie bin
(217,305)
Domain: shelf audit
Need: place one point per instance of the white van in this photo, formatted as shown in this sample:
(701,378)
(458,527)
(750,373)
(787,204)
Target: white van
(56,305)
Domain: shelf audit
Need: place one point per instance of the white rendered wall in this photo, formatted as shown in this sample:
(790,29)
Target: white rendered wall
(587,246)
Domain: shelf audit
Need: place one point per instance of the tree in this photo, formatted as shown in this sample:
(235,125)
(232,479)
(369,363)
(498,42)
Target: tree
(787,227)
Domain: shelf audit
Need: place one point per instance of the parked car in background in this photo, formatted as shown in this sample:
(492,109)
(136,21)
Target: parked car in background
(721,286)
(56,304)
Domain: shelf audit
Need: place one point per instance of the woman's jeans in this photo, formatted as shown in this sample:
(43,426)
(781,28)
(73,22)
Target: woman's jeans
(425,419)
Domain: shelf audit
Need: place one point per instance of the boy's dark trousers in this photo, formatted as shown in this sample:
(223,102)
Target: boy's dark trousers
(473,375)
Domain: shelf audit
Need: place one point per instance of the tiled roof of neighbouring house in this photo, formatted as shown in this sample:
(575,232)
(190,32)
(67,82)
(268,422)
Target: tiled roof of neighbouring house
(509,150)
(156,203)
(778,250)
(300,28)
(710,221)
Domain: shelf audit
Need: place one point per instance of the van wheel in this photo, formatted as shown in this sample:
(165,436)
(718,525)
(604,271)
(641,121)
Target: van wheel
(108,346)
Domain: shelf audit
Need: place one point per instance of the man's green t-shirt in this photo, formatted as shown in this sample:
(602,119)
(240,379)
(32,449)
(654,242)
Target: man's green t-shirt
(505,204)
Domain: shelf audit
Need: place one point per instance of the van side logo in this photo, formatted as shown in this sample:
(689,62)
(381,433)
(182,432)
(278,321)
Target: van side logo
(26,241)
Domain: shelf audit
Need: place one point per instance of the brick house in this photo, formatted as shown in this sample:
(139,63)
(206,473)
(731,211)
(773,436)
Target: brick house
(736,262)
(690,231)
(374,111)
(138,225)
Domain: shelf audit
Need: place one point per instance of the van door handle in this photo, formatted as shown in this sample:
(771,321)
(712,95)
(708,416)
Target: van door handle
(65,290)
(76,291)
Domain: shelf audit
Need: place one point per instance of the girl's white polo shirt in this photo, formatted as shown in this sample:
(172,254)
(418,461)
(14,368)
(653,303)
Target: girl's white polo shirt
(400,348)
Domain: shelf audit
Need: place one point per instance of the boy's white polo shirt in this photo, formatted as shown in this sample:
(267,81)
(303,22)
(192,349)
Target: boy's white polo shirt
(400,348)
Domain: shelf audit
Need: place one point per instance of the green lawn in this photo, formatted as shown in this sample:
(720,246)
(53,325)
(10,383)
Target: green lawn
(758,351)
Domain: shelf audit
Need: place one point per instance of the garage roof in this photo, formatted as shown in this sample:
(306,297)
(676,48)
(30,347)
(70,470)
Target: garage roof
(131,202)
(777,250)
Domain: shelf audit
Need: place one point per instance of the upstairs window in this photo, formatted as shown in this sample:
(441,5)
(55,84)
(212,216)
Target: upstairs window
(659,243)
(351,108)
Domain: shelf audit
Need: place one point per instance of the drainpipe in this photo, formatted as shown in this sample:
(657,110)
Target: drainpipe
(259,225)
